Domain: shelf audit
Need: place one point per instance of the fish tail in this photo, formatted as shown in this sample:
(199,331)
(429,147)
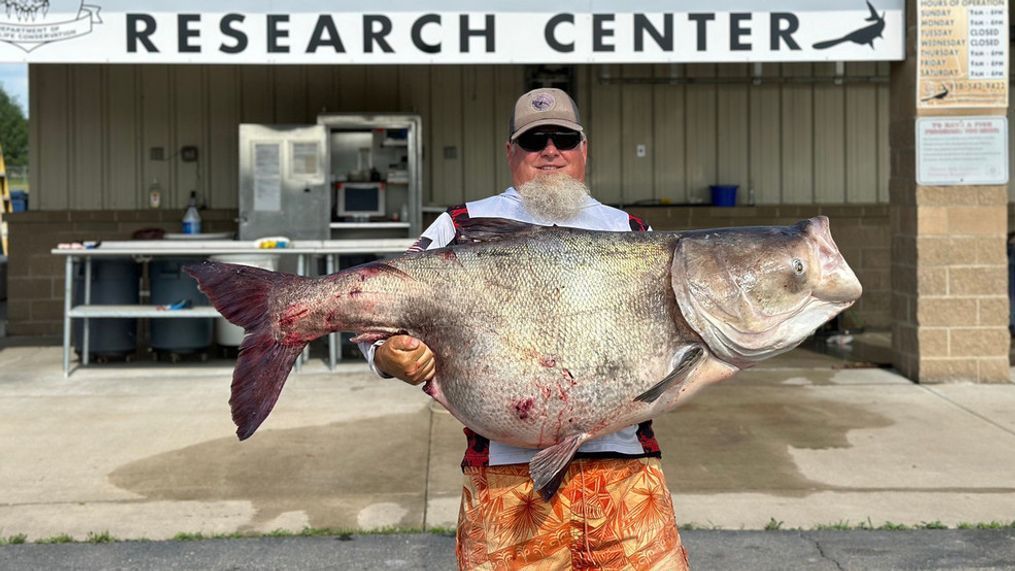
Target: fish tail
(828,44)
(243,295)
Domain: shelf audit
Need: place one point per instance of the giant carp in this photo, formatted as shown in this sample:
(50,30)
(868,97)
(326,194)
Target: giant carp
(546,337)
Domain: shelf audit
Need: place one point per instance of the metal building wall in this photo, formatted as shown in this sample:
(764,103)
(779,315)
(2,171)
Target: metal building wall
(794,143)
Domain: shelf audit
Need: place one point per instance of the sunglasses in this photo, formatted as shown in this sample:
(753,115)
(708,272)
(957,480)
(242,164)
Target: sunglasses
(534,141)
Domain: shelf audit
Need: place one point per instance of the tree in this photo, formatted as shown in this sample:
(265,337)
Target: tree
(13,131)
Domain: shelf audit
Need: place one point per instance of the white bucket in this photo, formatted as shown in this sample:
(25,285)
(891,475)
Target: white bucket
(227,334)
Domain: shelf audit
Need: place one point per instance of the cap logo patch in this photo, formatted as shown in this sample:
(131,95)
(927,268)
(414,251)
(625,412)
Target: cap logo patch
(542,102)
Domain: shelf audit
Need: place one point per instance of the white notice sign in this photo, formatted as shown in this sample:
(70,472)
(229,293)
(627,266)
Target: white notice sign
(267,177)
(952,151)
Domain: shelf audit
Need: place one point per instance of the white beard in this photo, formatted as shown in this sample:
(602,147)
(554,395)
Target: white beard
(554,197)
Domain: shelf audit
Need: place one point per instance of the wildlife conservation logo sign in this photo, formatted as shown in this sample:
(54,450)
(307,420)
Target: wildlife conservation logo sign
(29,24)
(452,31)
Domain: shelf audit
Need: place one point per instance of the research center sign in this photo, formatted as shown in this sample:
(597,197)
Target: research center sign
(450,31)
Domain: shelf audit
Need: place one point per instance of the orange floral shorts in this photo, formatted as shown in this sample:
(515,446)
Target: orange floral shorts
(608,514)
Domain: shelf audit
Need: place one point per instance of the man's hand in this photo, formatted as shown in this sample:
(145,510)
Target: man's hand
(405,358)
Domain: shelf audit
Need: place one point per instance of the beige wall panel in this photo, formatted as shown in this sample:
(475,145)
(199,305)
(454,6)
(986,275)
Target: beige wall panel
(604,163)
(291,95)
(34,148)
(829,138)
(766,138)
(257,94)
(701,137)
(414,97)
(797,137)
(382,87)
(352,88)
(88,123)
(446,124)
(793,143)
(125,189)
(509,83)
(884,155)
(321,94)
(636,129)
(732,131)
(479,149)
(190,128)
(156,114)
(50,186)
(223,136)
(861,136)
(584,76)
(669,153)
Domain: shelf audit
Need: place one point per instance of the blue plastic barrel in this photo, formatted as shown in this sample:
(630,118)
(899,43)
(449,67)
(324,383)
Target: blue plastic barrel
(724,194)
(19,201)
(170,285)
(114,282)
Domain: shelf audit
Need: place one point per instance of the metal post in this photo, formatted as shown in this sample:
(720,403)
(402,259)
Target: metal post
(68,297)
(334,337)
(88,301)
(300,269)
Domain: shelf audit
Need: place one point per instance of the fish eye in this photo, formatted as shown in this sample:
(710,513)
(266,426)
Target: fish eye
(798,266)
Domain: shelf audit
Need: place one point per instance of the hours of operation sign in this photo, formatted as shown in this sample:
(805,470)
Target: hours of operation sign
(962,53)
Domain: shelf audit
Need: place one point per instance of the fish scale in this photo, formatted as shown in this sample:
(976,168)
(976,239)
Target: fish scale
(548,337)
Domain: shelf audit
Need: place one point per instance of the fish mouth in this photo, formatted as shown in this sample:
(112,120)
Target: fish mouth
(838,283)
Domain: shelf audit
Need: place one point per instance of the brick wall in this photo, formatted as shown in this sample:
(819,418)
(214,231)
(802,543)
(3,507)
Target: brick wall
(36,277)
(861,232)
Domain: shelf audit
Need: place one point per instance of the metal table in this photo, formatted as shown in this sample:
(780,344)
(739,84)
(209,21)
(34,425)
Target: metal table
(143,250)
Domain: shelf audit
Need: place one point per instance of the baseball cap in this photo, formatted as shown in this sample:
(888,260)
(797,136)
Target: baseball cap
(544,106)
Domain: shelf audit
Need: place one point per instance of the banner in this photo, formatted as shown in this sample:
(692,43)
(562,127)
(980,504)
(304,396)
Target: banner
(450,31)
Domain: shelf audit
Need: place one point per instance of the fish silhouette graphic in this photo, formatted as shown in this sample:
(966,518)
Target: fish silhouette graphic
(864,35)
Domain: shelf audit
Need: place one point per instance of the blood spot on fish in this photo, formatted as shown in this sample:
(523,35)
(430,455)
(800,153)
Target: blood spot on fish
(523,407)
(548,361)
(295,338)
(291,315)
(450,256)
(355,291)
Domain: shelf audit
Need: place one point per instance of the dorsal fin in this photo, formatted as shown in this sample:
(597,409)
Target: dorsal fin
(474,230)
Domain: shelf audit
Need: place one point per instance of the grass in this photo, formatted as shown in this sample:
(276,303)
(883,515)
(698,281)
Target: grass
(14,539)
(315,532)
(102,537)
(62,538)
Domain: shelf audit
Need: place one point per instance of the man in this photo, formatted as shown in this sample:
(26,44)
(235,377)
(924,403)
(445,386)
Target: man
(613,509)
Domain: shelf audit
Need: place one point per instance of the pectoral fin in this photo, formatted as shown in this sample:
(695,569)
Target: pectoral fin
(691,357)
(548,467)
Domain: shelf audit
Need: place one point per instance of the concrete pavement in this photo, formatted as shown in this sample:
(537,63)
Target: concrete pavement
(147,451)
(720,550)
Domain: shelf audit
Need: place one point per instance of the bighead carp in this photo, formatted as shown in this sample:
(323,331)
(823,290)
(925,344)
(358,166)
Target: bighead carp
(548,337)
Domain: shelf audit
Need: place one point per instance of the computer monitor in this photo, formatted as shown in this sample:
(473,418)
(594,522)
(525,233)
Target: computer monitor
(360,199)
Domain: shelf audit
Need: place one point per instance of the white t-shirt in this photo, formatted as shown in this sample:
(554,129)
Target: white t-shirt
(508,205)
